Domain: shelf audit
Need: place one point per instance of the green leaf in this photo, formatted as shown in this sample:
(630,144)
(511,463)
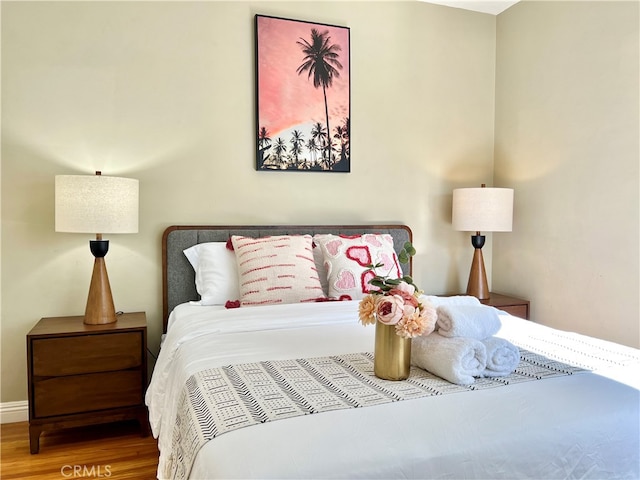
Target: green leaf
(402,257)
(408,279)
(408,247)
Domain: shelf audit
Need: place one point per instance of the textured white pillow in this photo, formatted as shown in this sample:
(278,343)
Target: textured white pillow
(216,272)
(276,269)
(346,259)
(318,259)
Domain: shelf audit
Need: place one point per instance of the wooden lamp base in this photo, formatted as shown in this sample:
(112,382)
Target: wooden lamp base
(100,309)
(477,285)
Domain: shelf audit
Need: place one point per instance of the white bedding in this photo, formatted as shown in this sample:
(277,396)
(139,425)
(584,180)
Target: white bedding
(579,426)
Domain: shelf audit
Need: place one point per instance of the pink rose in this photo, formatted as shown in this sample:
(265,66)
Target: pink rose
(406,287)
(409,311)
(390,309)
(429,315)
(405,293)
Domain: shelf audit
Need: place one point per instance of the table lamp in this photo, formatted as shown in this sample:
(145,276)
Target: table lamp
(476,210)
(97,204)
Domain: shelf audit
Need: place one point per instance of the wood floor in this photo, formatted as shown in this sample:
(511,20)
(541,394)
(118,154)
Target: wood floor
(115,451)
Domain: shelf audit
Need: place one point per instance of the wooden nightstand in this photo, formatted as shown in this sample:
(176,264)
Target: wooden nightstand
(514,306)
(86,374)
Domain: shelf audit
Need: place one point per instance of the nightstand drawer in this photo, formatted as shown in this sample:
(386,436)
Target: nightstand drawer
(86,393)
(86,354)
(512,305)
(517,310)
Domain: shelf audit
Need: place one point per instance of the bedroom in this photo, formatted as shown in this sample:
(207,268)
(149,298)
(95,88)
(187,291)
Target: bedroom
(542,98)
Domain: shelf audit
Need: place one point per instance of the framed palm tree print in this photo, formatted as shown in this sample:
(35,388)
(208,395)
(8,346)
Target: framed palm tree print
(303,99)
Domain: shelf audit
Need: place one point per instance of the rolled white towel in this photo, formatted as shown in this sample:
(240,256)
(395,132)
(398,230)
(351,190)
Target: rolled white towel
(502,357)
(457,360)
(473,321)
(453,300)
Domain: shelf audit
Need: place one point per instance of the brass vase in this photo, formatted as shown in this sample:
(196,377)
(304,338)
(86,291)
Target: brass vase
(392,354)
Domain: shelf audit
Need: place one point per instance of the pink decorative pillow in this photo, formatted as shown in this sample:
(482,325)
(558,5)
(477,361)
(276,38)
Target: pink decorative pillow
(277,269)
(346,259)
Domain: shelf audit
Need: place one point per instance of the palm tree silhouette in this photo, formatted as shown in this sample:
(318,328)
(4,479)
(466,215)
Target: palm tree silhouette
(321,61)
(342,136)
(280,148)
(263,138)
(347,136)
(318,132)
(296,145)
(312,146)
(264,143)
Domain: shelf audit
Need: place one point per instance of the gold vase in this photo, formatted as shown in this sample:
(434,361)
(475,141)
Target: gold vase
(392,354)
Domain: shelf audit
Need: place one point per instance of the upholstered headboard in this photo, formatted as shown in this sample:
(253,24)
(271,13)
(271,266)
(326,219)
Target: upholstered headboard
(178,277)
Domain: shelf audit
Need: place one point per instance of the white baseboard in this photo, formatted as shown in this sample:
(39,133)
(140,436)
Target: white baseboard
(11,412)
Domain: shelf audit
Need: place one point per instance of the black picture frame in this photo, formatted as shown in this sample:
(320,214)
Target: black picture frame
(303,91)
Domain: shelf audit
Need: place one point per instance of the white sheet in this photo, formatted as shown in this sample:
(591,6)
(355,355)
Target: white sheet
(581,426)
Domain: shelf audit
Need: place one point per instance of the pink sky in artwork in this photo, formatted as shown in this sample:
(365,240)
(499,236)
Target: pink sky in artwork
(287,99)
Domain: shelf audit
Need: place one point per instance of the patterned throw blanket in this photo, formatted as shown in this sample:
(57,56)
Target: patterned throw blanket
(218,400)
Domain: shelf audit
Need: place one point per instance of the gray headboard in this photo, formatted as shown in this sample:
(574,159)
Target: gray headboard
(178,277)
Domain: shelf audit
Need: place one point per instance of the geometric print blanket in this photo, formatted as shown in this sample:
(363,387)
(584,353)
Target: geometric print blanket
(218,400)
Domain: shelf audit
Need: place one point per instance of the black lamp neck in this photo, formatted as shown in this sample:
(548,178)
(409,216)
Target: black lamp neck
(477,240)
(99,248)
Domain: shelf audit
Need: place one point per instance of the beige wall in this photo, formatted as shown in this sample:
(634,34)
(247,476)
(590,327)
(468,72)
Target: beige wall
(567,135)
(164,92)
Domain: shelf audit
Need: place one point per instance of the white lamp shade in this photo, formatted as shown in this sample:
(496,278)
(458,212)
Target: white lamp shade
(483,209)
(96,204)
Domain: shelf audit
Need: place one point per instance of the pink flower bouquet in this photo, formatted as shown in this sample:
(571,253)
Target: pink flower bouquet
(396,302)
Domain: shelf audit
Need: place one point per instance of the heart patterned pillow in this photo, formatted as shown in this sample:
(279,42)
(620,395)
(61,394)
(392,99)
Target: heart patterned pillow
(346,259)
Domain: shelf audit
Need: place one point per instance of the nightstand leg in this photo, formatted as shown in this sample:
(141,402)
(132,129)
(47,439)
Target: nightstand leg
(143,420)
(34,438)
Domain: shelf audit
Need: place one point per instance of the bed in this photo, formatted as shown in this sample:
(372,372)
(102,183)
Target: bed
(572,412)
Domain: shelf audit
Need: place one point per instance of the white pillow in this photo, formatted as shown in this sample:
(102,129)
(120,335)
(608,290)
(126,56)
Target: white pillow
(346,259)
(318,259)
(216,272)
(276,270)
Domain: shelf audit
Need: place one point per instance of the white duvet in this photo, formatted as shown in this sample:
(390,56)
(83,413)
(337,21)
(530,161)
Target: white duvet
(579,426)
